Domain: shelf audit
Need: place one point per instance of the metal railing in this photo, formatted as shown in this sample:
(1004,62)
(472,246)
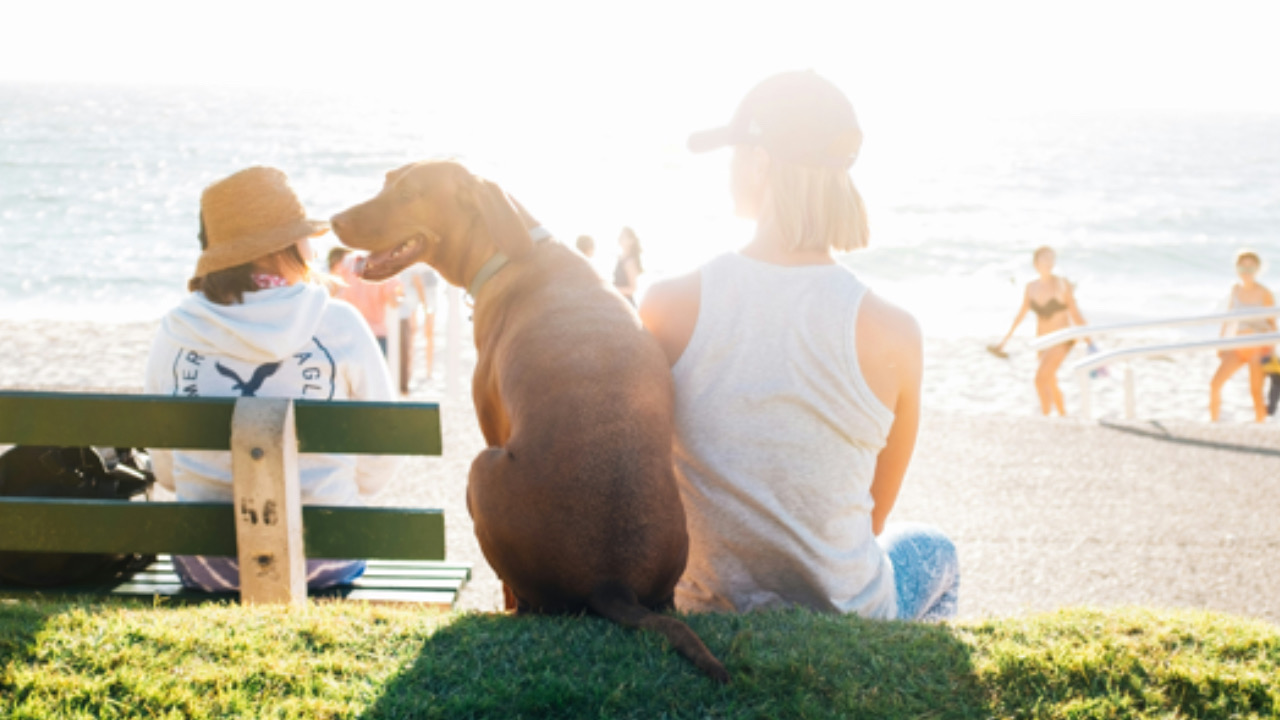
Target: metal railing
(1092,331)
(1082,369)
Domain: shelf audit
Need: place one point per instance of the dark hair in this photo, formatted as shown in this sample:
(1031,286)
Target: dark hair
(336,256)
(227,287)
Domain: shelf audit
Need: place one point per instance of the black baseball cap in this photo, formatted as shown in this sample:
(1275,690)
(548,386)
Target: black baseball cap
(799,117)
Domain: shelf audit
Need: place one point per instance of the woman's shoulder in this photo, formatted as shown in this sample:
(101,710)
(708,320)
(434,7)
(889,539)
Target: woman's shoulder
(884,322)
(675,290)
(669,311)
(889,348)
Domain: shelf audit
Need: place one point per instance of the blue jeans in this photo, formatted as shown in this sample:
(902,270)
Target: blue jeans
(926,571)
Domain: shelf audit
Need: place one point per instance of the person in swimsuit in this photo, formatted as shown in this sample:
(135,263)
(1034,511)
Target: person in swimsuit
(1053,301)
(1246,293)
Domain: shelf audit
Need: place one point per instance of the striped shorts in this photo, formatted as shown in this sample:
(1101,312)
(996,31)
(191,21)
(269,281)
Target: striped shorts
(222,574)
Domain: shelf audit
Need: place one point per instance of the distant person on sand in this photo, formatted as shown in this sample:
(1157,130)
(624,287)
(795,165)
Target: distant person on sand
(333,263)
(626,273)
(797,389)
(586,245)
(420,283)
(255,325)
(1053,301)
(1245,294)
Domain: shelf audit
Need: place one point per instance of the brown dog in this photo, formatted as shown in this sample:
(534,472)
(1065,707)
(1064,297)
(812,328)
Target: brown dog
(575,502)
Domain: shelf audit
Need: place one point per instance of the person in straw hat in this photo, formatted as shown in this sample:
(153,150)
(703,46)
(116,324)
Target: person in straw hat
(255,325)
(797,389)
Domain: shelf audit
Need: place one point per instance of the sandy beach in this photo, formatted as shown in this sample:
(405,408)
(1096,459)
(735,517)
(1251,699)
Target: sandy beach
(1168,510)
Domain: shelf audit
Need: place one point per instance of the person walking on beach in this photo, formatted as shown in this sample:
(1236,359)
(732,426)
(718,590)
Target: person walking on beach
(797,389)
(1053,300)
(626,273)
(255,325)
(420,283)
(371,299)
(1244,294)
(333,282)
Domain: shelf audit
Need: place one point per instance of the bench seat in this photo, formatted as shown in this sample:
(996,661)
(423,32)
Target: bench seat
(405,547)
(384,581)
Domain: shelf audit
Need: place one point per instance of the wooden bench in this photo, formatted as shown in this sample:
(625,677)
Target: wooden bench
(266,527)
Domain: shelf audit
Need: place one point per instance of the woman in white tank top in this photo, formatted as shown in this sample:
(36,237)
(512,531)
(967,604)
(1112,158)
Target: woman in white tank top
(797,390)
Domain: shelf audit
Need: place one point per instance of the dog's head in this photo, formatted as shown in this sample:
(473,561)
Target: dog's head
(438,213)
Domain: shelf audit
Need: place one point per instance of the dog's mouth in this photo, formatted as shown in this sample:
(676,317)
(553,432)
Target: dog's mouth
(388,263)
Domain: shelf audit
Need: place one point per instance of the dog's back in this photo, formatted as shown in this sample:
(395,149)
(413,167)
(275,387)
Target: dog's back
(578,508)
(589,401)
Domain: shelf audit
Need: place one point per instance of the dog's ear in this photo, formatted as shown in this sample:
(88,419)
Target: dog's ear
(393,176)
(503,220)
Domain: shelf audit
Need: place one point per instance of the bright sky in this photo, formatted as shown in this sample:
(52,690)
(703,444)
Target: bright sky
(606,57)
(598,96)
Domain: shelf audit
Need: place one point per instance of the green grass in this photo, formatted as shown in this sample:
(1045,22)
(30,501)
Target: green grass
(107,659)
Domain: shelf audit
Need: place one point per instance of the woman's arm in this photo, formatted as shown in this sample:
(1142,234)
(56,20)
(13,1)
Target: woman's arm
(1072,307)
(1022,312)
(420,288)
(1074,310)
(155,382)
(898,334)
(1269,300)
(670,312)
(1231,305)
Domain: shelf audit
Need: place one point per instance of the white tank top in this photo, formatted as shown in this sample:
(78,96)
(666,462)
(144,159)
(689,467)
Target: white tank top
(777,435)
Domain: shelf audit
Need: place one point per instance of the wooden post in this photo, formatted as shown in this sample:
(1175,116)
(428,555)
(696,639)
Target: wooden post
(268,502)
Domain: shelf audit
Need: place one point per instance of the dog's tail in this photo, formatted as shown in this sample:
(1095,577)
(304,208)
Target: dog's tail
(614,601)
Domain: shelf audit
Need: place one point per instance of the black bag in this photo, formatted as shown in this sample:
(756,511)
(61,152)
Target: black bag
(73,472)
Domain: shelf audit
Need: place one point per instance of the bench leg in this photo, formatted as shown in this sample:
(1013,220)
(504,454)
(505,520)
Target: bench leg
(268,502)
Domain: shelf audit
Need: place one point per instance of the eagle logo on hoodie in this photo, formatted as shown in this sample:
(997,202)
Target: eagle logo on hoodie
(308,373)
(247,389)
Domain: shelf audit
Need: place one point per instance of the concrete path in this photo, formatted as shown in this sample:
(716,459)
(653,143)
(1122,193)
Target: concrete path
(1050,513)
(1046,513)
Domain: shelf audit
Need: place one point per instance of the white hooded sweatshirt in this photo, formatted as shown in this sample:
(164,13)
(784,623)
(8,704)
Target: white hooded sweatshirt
(294,342)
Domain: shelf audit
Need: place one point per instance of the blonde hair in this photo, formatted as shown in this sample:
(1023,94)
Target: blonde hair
(1248,255)
(817,208)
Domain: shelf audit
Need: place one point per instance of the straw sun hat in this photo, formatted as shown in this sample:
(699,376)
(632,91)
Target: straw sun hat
(250,215)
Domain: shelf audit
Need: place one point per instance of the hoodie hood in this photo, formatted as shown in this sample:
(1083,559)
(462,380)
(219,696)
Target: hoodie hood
(269,325)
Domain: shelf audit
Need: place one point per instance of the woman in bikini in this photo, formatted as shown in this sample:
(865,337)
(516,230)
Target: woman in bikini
(1054,303)
(1246,293)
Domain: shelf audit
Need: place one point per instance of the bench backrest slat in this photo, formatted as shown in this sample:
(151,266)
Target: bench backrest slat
(161,421)
(44,525)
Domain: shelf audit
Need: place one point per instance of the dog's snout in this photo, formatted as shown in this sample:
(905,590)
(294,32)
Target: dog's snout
(338,223)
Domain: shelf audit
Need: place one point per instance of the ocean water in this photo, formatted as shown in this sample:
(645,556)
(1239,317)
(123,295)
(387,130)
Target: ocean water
(100,187)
